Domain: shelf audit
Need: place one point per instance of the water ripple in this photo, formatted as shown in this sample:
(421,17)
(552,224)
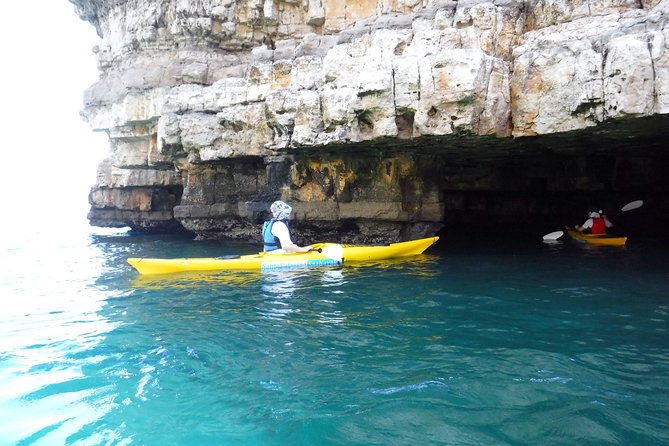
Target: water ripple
(471,348)
(408,388)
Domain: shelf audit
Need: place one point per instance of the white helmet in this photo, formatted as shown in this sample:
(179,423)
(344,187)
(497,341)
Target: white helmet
(280,210)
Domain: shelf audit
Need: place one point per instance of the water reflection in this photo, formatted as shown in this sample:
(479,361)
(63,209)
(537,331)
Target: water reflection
(303,295)
(278,288)
(196,280)
(333,278)
(422,265)
(281,284)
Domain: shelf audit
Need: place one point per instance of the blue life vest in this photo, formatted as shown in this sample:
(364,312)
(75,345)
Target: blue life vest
(270,242)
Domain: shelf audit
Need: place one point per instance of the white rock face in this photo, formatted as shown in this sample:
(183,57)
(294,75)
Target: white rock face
(213,80)
(338,72)
(599,67)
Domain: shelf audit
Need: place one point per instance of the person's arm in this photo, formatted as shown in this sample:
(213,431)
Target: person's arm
(607,222)
(280,230)
(586,225)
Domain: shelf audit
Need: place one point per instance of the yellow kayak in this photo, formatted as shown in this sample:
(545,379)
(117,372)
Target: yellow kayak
(270,262)
(598,239)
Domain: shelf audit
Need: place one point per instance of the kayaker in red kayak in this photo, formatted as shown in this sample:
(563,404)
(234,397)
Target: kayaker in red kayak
(276,232)
(597,223)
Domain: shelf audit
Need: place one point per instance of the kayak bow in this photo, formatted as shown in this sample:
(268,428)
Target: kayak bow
(360,253)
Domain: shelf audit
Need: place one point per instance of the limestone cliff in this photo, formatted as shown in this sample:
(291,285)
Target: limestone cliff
(373,118)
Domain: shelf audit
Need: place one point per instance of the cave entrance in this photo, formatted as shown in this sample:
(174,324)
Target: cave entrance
(538,195)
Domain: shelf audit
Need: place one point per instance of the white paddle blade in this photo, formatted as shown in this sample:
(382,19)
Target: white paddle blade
(334,252)
(554,235)
(632,205)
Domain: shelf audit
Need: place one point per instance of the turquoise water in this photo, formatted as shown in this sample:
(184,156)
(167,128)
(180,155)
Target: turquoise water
(481,342)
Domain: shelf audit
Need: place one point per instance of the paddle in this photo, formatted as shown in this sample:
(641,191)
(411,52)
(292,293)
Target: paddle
(332,251)
(553,235)
(632,205)
(636,204)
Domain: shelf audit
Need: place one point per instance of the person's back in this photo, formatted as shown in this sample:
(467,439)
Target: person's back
(598,226)
(597,223)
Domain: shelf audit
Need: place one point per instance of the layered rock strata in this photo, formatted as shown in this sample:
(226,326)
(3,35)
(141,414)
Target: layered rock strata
(369,117)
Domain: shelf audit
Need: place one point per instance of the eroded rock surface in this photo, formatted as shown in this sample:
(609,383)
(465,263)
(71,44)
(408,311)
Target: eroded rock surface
(365,115)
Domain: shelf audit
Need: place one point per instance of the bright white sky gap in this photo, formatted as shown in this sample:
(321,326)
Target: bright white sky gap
(48,152)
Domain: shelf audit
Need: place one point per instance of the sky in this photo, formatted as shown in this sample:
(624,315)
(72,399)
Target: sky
(49,154)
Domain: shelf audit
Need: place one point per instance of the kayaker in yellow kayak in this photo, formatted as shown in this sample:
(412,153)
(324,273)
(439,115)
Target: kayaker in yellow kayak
(276,232)
(597,223)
